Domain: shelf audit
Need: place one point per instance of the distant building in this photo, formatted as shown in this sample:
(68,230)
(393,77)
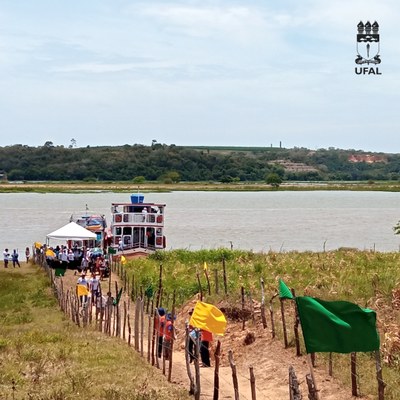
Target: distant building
(3,176)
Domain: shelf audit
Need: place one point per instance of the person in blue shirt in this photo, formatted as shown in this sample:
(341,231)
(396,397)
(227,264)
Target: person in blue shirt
(14,257)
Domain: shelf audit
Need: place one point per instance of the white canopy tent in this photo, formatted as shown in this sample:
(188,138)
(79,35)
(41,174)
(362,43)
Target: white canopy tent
(71,231)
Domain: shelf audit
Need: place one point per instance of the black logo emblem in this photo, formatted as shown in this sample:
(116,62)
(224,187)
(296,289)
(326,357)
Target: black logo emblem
(368,43)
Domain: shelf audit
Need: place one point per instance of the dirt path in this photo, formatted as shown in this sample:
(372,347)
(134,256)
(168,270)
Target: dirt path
(267,356)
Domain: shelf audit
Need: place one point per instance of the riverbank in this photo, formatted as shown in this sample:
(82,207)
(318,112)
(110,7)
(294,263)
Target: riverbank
(123,186)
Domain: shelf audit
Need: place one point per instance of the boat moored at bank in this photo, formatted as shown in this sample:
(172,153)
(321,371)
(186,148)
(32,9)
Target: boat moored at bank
(137,228)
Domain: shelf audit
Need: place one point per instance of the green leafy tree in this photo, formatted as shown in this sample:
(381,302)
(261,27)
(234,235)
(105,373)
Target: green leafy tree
(139,179)
(273,179)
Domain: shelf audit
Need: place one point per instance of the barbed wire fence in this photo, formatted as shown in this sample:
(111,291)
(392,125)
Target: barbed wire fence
(116,320)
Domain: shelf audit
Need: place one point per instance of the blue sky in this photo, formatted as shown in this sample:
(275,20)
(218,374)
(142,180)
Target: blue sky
(244,73)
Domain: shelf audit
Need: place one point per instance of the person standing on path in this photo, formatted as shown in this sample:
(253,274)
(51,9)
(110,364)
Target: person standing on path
(5,257)
(27,254)
(15,258)
(82,289)
(206,337)
(169,335)
(159,328)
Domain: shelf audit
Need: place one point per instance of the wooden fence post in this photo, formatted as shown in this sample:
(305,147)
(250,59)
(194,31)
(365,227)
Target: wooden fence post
(312,393)
(136,324)
(296,326)
(243,316)
(252,383)
(141,327)
(200,288)
(253,318)
(354,374)
(124,325)
(234,375)
(379,377)
(294,389)
(271,313)
(263,318)
(171,350)
(216,281)
(208,279)
(192,387)
(285,339)
(196,361)
(224,276)
(217,355)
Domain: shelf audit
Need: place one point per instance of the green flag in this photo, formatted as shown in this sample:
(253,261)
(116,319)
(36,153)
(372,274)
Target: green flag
(284,291)
(337,326)
(118,298)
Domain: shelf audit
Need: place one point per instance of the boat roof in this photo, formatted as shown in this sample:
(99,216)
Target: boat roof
(138,204)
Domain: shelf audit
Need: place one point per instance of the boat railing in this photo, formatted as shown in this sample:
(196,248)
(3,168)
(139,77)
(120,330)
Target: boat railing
(138,218)
(138,245)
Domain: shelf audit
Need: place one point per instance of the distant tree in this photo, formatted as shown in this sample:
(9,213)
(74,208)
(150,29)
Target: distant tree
(273,179)
(48,144)
(172,176)
(139,179)
(73,143)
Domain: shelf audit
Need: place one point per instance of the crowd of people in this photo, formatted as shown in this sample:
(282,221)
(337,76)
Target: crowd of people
(166,332)
(82,260)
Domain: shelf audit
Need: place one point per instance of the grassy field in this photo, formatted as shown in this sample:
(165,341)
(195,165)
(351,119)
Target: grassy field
(79,186)
(44,356)
(367,278)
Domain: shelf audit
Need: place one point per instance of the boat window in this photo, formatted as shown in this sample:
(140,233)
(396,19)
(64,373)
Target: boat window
(118,231)
(127,230)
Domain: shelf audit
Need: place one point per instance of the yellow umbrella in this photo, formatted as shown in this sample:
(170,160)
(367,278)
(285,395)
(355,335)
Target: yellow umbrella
(38,245)
(50,253)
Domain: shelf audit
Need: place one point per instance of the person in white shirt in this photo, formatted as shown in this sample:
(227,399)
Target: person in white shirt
(94,285)
(6,254)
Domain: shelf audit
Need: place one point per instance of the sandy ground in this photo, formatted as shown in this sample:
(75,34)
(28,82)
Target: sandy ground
(269,358)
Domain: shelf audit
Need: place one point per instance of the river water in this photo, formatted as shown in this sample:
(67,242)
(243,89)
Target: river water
(258,221)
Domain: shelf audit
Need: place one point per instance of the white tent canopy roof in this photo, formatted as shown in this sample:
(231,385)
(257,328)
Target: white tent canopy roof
(72,231)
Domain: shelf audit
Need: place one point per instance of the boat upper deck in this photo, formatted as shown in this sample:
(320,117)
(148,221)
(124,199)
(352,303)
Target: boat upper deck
(137,214)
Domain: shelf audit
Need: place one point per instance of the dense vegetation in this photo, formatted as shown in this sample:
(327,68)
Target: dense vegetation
(171,163)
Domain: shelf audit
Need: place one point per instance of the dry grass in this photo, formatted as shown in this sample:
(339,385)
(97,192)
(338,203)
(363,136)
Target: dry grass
(45,356)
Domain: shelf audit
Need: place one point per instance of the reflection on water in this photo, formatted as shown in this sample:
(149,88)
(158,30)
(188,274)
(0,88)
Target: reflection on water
(259,221)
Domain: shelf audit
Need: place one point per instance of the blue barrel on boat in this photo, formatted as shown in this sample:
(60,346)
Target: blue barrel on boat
(137,198)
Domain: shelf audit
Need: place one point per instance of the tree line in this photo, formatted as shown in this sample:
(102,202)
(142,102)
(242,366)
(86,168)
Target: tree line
(172,163)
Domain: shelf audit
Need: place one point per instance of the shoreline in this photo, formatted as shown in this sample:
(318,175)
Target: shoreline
(130,187)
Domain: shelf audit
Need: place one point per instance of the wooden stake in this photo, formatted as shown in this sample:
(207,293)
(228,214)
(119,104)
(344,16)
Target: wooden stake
(216,281)
(353,374)
(172,339)
(315,389)
(200,288)
(208,281)
(294,389)
(141,327)
(243,316)
(234,375)
(217,355)
(330,365)
(263,318)
(192,387)
(252,383)
(379,376)
(271,312)
(285,339)
(224,272)
(296,326)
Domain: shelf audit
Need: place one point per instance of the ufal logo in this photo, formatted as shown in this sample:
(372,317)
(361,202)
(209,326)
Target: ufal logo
(368,47)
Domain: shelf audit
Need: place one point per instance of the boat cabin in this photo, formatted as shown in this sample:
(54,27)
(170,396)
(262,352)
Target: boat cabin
(137,227)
